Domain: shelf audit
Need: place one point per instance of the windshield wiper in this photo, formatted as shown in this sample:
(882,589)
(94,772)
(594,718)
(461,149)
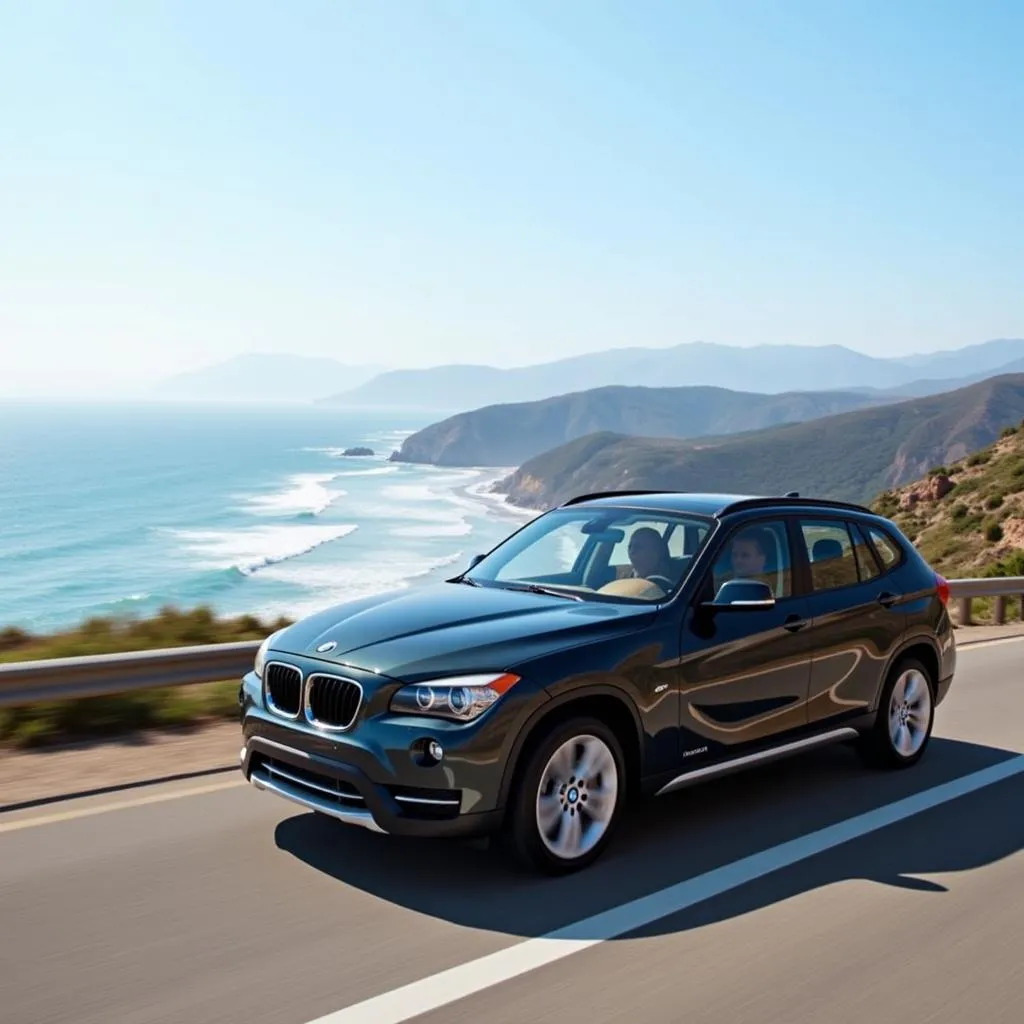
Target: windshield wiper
(536,588)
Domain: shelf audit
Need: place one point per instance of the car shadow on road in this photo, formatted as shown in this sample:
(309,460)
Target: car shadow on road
(680,836)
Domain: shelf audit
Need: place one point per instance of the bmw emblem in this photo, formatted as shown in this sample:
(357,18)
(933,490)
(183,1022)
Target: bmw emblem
(329,646)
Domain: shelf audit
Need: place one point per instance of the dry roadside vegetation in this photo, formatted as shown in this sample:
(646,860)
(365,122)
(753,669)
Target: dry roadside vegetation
(95,717)
(967,518)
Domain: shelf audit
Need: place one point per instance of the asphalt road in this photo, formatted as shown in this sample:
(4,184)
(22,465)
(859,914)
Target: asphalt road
(214,902)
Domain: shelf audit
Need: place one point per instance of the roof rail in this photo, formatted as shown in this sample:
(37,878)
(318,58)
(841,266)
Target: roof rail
(611,494)
(761,502)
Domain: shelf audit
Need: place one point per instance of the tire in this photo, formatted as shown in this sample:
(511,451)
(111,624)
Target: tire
(907,700)
(543,791)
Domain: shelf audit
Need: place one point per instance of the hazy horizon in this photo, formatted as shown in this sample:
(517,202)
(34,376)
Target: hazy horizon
(413,186)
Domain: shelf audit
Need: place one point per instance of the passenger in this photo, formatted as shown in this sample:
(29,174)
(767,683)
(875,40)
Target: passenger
(649,555)
(746,558)
(749,553)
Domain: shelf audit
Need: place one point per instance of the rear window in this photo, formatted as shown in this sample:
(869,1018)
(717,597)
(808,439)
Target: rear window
(888,550)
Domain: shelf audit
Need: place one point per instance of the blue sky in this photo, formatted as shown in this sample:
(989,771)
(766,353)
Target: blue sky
(423,182)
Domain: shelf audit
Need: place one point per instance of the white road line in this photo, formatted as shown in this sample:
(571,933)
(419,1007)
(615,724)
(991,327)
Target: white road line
(87,812)
(976,645)
(439,990)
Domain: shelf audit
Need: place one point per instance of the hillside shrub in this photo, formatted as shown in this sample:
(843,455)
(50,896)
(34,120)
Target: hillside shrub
(993,533)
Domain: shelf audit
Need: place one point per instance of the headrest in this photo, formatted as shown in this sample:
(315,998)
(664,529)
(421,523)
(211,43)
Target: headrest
(826,548)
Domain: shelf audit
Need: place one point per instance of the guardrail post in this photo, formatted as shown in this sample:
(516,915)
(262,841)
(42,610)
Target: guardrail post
(999,612)
(963,611)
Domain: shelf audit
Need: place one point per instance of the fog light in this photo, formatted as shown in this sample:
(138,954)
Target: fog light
(435,750)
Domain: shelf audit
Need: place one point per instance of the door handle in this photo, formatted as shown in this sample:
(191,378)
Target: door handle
(887,600)
(794,623)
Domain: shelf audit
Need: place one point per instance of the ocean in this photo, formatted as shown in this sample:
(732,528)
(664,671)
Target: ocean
(119,509)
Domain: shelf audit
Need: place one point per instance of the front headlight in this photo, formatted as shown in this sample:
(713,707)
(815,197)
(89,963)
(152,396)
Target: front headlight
(261,654)
(461,698)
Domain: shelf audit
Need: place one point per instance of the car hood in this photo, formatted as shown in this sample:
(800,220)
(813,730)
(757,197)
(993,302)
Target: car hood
(425,630)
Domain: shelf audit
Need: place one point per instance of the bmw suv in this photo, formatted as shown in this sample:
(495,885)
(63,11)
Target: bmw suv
(622,645)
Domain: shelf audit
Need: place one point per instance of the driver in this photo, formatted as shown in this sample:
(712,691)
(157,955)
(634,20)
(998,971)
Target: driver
(648,553)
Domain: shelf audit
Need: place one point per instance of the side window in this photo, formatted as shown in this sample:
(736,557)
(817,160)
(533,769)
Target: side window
(758,551)
(887,550)
(866,564)
(830,552)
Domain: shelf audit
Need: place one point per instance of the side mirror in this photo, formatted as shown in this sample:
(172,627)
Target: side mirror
(475,560)
(739,595)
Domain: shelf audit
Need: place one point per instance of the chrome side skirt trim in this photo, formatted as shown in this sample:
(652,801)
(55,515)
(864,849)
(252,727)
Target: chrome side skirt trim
(761,757)
(265,781)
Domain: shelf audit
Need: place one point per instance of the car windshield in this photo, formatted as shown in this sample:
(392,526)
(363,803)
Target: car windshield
(606,554)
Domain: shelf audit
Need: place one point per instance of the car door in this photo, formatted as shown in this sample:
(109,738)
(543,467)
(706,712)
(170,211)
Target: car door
(745,672)
(857,621)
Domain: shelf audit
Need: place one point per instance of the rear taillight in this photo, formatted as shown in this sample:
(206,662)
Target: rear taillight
(943,586)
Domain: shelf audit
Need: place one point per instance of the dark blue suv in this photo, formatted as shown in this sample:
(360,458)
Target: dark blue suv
(621,645)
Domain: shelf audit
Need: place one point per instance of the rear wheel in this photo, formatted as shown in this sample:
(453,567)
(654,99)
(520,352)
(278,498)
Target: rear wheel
(569,797)
(906,713)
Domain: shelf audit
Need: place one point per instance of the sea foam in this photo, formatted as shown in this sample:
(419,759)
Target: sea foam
(254,549)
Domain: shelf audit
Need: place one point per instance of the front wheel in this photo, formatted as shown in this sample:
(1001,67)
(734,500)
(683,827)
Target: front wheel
(569,797)
(906,713)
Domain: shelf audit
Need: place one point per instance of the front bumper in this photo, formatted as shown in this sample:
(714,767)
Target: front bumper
(345,792)
(372,776)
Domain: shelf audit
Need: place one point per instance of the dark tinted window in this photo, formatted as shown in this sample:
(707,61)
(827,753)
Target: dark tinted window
(866,564)
(830,552)
(757,551)
(886,547)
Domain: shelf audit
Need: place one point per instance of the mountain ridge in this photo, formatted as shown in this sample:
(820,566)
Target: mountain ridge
(852,455)
(510,433)
(764,369)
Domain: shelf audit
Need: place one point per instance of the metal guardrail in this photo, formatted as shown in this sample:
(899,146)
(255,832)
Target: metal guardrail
(29,682)
(94,675)
(1000,587)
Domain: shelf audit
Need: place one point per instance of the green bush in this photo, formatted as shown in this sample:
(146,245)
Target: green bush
(993,533)
(994,501)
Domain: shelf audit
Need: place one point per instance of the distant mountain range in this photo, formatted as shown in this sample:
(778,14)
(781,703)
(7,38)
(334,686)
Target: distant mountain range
(766,369)
(265,378)
(852,455)
(507,435)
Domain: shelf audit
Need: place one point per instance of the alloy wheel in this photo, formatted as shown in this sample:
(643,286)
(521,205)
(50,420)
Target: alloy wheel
(577,797)
(910,711)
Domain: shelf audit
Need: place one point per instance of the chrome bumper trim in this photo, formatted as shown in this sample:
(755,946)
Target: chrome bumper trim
(262,780)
